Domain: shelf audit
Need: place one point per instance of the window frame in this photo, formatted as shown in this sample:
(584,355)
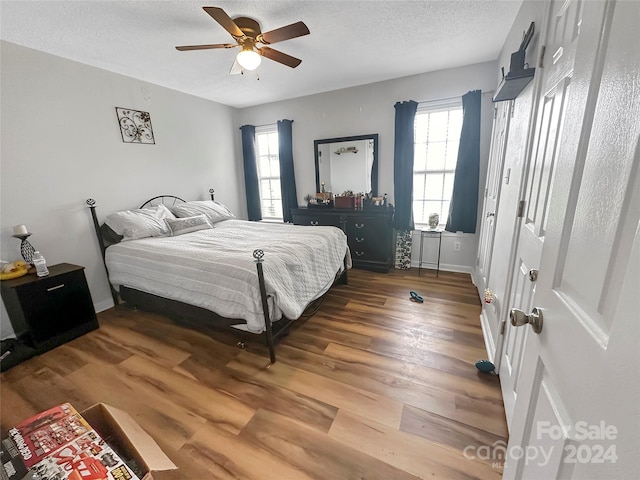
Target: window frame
(270,129)
(450,104)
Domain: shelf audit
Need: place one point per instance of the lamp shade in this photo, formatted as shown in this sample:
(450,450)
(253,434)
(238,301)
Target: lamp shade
(248,59)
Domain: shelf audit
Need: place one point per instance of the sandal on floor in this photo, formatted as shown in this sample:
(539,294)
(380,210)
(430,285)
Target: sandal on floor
(415,297)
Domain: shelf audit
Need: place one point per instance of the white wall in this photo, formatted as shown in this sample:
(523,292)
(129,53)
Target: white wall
(61,144)
(369,109)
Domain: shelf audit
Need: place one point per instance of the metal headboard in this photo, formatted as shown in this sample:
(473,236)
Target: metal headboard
(166,200)
(107,237)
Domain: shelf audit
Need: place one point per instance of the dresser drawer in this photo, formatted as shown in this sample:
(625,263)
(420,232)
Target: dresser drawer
(363,226)
(363,252)
(314,220)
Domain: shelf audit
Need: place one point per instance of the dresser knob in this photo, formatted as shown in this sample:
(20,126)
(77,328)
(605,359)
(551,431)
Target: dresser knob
(359,225)
(314,223)
(359,240)
(359,254)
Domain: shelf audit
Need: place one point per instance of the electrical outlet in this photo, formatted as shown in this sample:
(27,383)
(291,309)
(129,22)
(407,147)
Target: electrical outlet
(456,246)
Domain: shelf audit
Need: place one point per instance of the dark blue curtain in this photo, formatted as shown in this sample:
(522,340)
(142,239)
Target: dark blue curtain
(287,173)
(403,149)
(464,199)
(250,172)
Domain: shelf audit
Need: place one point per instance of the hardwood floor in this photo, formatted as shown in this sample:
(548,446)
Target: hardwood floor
(373,386)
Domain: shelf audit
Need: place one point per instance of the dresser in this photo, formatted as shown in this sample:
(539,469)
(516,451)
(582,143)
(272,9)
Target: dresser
(369,232)
(48,311)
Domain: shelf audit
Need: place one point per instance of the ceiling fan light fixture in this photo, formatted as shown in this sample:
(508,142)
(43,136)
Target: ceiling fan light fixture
(248,58)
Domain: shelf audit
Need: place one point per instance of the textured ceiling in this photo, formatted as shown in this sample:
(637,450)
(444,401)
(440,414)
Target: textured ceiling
(351,42)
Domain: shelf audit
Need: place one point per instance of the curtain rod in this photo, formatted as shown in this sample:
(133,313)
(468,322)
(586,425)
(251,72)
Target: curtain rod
(488,92)
(266,124)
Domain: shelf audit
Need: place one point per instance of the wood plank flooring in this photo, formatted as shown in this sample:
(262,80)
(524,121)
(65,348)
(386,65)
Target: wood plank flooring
(373,386)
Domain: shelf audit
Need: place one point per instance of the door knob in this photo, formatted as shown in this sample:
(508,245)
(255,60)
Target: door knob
(519,318)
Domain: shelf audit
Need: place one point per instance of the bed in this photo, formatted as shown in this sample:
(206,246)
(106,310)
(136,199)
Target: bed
(196,260)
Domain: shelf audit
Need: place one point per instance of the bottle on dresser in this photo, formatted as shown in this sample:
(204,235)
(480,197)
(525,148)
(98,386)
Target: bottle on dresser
(40,263)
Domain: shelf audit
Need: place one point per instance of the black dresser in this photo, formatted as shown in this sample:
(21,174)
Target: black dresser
(369,232)
(49,311)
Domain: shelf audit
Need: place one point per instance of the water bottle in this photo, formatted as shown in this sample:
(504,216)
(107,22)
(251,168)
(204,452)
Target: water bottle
(40,263)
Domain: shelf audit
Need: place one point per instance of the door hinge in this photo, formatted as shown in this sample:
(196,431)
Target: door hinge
(521,209)
(495,112)
(512,109)
(503,325)
(542,50)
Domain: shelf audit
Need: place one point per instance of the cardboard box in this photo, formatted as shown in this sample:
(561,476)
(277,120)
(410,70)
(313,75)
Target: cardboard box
(99,443)
(126,436)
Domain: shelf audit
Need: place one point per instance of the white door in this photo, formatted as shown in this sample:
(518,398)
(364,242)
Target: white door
(560,33)
(577,385)
(489,318)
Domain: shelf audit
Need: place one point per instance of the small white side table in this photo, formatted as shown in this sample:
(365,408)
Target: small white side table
(435,233)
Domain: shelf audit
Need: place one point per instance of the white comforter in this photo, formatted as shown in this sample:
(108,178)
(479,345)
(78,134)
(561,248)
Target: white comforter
(215,268)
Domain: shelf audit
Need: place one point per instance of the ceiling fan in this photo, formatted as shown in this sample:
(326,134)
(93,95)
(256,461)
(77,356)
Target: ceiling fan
(246,32)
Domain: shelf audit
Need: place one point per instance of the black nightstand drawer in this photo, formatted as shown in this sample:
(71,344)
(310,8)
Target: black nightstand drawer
(48,311)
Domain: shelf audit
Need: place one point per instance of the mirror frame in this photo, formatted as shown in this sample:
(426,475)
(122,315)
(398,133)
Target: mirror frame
(374,165)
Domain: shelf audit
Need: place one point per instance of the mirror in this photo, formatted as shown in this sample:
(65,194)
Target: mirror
(347,163)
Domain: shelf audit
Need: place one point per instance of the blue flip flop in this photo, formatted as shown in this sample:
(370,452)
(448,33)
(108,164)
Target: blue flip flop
(415,297)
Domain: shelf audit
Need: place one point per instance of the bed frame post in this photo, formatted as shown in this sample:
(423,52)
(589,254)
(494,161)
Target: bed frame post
(344,278)
(92,206)
(258,254)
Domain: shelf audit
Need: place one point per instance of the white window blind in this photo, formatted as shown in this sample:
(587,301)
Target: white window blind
(269,172)
(436,140)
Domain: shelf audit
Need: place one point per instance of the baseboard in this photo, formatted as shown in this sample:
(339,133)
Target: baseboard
(474,278)
(445,267)
(486,335)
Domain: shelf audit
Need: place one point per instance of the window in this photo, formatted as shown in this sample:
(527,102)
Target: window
(269,172)
(436,140)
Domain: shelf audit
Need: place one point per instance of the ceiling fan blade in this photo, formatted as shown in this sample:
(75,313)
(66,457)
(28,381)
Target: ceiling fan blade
(236,69)
(280,57)
(205,47)
(220,16)
(294,30)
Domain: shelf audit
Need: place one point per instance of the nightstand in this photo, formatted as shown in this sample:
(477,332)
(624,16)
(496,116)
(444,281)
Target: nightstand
(48,311)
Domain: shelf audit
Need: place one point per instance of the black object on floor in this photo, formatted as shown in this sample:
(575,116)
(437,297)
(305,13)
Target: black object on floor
(485,366)
(415,297)
(13,352)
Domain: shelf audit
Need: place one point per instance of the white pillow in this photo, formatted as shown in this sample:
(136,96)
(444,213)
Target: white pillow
(178,226)
(214,211)
(140,223)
